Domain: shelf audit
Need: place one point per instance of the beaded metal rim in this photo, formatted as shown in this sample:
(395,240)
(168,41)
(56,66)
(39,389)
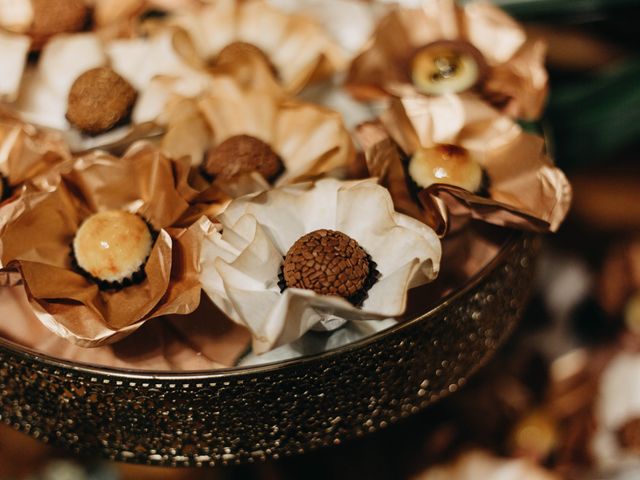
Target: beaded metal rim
(245,414)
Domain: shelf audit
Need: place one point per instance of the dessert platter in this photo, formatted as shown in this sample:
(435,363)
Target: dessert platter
(236,230)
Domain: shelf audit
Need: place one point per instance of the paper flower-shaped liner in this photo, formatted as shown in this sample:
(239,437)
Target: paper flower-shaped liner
(295,46)
(308,140)
(525,190)
(504,67)
(242,262)
(27,152)
(39,227)
(45,97)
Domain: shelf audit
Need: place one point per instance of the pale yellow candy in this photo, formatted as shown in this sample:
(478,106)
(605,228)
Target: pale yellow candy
(446,164)
(112,245)
(436,70)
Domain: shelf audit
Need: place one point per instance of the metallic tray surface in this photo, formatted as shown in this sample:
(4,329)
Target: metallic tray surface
(247,414)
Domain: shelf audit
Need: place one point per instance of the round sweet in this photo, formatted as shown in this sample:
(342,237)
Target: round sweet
(242,154)
(99,100)
(446,67)
(629,435)
(51,17)
(113,245)
(327,262)
(448,164)
(236,51)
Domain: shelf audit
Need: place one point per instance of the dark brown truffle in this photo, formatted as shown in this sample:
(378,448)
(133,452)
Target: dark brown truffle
(629,435)
(99,100)
(242,154)
(51,17)
(327,262)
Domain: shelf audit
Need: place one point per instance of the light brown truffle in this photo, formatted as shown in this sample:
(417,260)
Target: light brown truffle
(327,262)
(239,51)
(447,67)
(448,164)
(112,246)
(242,154)
(99,100)
(51,17)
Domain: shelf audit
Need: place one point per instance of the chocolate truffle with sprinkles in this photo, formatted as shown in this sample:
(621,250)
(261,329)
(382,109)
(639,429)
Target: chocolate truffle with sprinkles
(242,154)
(99,100)
(111,248)
(329,263)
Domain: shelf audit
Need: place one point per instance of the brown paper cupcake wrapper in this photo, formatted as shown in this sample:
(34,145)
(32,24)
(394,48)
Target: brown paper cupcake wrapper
(310,140)
(298,48)
(515,82)
(27,152)
(526,190)
(38,228)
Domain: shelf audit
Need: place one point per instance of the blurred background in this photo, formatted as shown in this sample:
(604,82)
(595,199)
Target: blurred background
(562,399)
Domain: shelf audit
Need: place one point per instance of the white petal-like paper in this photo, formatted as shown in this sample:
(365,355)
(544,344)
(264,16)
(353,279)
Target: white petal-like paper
(349,22)
(43,96)
(240,266)
(477,464)
(139,60)
(13,57)
(16,15)
(618,402)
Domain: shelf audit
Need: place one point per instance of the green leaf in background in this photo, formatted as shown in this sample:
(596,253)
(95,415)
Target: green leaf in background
(593,118)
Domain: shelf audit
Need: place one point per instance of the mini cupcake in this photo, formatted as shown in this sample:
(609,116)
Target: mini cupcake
(295,47)
(100,255)
(288,259)
(257,138)
(443,49)
(507,179)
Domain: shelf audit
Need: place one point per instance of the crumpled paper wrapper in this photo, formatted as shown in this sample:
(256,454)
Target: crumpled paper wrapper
(38,229)
(516,82)
(310,140)
(526,191)
(349,22)
(202,341)
(298,48)
(27,152)
(240,264)
(13,51)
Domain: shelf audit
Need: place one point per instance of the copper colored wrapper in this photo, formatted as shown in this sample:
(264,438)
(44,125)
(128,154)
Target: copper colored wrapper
(526,190)
(299,49)
(310,140)
(203,340)
(38,229)
(515,81)
(27,151)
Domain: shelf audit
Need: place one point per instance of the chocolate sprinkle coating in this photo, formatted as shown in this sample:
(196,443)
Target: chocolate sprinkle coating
(99,100)
(242,154)
(327,262)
